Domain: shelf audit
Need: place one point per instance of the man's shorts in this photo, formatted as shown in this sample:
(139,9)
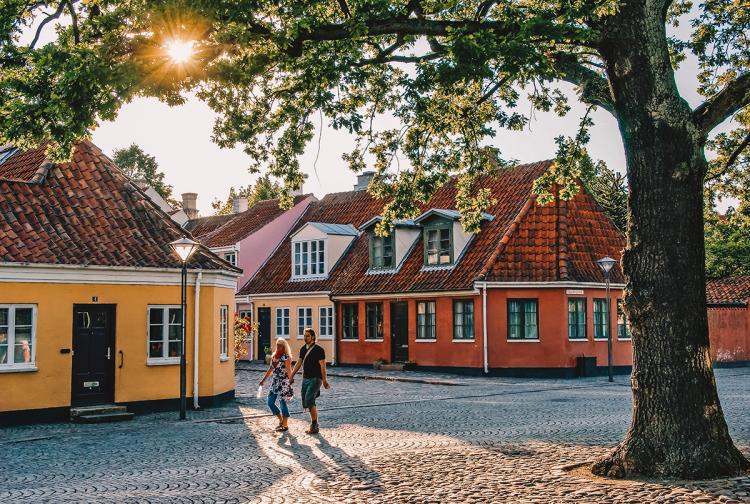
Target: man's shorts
(310,390)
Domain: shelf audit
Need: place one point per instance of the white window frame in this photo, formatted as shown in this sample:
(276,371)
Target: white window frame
(282,334)
(307,255)
(224,333)
(329,326)
(233,254)
(301,327)
(163,360)
(21,366)
(240,314)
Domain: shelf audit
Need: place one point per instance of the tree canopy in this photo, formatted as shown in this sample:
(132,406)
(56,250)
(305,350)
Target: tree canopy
(264,189)
(141,166)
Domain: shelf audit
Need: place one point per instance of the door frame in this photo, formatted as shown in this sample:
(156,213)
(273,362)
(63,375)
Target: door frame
(261,354)
(394,326)
(111,336)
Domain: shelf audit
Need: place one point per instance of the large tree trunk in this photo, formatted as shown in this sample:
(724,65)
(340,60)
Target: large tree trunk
(678,427)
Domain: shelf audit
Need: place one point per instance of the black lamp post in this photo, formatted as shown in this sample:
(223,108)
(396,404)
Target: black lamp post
(606,265)
(184,248)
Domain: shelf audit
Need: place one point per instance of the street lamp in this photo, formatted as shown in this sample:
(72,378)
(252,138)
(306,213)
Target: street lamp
(184,248)
(606,265)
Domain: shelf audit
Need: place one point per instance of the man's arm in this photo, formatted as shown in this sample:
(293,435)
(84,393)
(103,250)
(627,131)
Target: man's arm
(294,371)
(323,373)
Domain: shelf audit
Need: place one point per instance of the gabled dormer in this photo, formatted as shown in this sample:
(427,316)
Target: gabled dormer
(317,247)
(387,253)
(444,238)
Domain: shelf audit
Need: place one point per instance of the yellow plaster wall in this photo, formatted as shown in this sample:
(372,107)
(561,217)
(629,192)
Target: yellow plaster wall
(135,381)
(293,303)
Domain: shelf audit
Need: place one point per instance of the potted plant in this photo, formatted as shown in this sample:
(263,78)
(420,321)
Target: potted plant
(267,351)
(377,363)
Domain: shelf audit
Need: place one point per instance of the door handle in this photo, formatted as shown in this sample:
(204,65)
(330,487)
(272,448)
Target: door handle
(122,359)
(109,350)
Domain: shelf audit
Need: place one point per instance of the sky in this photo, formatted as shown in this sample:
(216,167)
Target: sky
(180,139)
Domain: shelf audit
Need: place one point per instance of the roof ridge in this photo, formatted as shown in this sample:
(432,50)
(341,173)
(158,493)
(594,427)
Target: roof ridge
(561,230)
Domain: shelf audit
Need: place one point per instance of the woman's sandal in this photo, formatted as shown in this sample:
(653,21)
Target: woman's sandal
(281,428)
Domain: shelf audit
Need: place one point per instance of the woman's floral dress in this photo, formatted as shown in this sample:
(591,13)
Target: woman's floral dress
(280,380)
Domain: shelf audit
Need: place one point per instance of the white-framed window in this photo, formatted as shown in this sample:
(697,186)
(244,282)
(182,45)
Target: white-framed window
(231,258)
(304,319)
(17,336)
(309,258)
(164,333)
(325,321)
(282,322)
(224,332)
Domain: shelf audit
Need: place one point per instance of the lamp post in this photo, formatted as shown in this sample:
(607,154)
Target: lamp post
(184,248)
(606,265)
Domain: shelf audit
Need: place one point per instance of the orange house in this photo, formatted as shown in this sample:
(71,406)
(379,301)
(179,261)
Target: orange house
(729,320)
(90,305)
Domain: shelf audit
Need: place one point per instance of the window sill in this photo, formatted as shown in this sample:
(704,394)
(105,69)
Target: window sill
(601,339)
(169,361)
(302,278)
(12,368)
(425,340)
(579,340)
(523,340)
(223,358)
(349,340)
(624,339)
(473,340)
(373,340)
(325,338)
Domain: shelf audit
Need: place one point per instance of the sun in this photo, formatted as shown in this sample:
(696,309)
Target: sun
(179,51)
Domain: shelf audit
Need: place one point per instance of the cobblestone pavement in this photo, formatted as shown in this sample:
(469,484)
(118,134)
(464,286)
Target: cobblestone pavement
(473,440)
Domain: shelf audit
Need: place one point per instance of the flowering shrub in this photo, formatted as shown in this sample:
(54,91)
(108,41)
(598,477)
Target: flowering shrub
(242,329)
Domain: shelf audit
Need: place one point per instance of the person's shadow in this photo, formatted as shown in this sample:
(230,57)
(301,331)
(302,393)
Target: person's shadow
(350,466)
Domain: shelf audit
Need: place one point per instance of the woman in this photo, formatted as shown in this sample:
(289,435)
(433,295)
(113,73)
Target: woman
(281,367)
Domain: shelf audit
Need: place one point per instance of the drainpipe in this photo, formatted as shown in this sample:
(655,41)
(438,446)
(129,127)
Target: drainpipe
(484,326)
(253,334)
(196,337)
(334,328)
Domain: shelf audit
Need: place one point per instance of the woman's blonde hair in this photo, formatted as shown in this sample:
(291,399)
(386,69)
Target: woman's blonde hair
(287,348)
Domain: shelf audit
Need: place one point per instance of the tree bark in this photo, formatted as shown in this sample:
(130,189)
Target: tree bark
(678,427)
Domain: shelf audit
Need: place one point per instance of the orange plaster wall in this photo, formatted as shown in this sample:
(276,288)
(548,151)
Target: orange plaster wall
(728,333)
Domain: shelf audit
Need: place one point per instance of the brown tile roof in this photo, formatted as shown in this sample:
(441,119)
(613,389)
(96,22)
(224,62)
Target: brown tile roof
(27,166)
(524,242)
(728,290)
(84,212)
(238,226)
(202,226)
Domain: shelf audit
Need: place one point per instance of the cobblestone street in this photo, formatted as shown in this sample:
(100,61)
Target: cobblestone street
(455,439)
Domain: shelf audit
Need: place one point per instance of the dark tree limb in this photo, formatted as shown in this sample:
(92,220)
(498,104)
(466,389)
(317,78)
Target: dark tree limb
(593,87)
(488,94)
(397,59)
(47,20)
(732,158)
(345,8)
(723,104)
(74,18)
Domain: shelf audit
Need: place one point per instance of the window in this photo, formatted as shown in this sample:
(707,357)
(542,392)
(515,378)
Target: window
(248,314)
(224,332)
(523,319)
(17,335)
(304,320)
(231,258)
(282,322)
(164,332)
(601,317)
(374,320)
(463,319)
(381,251)
(426,320)
(309,258)
(576,318)
(325,321)
(351,321)
(622,322)
(438,249)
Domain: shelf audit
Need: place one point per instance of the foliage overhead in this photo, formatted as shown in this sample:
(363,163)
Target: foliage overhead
(264,189)
(141,166)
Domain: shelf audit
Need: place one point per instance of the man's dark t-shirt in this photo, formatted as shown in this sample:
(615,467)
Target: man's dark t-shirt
(311,368)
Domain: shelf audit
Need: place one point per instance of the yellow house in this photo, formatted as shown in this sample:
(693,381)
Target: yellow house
(90,305)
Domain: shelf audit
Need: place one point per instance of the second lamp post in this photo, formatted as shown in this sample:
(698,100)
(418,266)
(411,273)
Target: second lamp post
(606,265)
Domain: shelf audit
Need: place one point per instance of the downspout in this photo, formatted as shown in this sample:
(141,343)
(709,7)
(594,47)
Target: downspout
(484,327)
(334,327)
(253,332)
(196,337)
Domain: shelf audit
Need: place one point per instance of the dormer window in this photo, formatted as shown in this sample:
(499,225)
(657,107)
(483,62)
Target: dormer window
(438,244)
(381,251)
(309,258)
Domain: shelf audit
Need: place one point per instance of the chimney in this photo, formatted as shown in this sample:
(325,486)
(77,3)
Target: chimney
(363,180)
(189,204)
(239,204)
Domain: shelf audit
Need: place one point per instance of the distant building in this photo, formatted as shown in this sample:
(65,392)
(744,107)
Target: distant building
(729,320)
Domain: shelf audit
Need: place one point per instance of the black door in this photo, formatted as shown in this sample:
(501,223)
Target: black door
(399,332)
(264,331)
(93,355)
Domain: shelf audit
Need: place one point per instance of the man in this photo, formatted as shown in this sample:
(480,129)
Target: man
(312,359)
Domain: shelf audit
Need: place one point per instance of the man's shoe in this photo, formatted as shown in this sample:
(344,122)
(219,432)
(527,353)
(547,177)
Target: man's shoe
(313,429)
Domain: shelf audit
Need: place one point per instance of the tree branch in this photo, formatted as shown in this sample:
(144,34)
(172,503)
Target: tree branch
(732,158)
(397,59)
(593,88)
(74,18)
(345,8)
(723,104)
(46,20)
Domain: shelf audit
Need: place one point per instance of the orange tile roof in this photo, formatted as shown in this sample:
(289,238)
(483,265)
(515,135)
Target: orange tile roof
(202,226)
(84,212)
(728,290)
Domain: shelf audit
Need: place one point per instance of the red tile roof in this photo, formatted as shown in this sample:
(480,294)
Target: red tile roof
(239,226)
(729,290)
(524,242)
(202,226)
(84,212)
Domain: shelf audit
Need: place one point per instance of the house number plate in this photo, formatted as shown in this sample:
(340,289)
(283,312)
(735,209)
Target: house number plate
(90,384)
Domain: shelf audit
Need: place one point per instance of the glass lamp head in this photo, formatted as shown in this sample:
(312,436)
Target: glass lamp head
(184,248)
(606,264)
